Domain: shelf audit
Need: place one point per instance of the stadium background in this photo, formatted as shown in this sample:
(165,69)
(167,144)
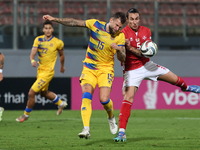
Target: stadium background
(174,25)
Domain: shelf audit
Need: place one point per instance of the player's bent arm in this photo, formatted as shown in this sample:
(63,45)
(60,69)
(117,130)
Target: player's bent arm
(62,60)
(70,22)
(135,51)
(33,53)
(62,57)
(66,21)
(32,56)
(121,53)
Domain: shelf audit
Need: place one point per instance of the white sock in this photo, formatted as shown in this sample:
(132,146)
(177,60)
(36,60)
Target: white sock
(122,130)
(87,128)
(61,104)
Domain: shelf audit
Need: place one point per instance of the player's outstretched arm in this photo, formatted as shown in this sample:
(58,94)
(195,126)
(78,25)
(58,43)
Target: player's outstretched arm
(134,50)
(2,58)
(32,56)
(121,52)
(62,60)
(66,21)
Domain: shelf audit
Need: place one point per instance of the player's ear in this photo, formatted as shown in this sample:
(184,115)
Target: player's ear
(111,20)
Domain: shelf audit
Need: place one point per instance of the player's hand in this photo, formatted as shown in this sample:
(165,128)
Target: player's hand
(34,64)
(114,46)
(62,69)
(48,17)
(1,77)
(128,44)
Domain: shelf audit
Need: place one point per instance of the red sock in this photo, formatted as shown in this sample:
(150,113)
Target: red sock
(124,113)
(181,83)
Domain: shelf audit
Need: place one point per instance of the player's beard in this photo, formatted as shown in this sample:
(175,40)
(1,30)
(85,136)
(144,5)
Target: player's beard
(111,31)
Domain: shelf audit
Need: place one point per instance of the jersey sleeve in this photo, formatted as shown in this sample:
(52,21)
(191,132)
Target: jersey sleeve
(60,45)
(36,42)
(89,23)
(121,41)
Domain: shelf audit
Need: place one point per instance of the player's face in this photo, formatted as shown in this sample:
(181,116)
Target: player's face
(115,25)
(48,29)
(133,21)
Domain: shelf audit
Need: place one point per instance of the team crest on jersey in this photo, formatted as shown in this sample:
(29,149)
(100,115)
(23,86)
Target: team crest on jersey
(137,40)
(51,45)
(144,37)
(82,76)
(131,39)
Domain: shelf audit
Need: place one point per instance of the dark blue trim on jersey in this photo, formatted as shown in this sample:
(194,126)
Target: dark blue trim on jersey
(92,46)
(120,45)
(91,56)
(105,27)
(87,95)
(49,39)
(94,35)
(90,66)
(99,26)
(41,39)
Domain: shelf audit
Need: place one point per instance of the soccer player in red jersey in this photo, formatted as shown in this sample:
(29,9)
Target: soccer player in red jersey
(137,67)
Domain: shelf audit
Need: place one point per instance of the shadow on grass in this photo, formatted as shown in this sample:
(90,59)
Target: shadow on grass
(129,140)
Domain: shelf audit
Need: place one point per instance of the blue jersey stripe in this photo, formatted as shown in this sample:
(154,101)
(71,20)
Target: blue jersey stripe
(90,66)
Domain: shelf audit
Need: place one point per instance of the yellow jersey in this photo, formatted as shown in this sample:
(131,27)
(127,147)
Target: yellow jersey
(47,51)
(100,54)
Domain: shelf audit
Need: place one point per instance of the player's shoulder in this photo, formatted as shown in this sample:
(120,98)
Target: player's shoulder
(40,38)
(143,28)
(56,39)
(95,21)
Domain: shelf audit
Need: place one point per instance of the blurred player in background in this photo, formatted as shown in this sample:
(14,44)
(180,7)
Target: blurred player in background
(136,68)
(1,78)
(47,46)
(105,40)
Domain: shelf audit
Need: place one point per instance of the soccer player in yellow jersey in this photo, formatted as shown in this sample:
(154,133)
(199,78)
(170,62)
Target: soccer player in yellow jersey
(105,40)
(47,46)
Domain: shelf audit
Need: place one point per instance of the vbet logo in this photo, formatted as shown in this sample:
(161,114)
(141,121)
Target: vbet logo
(168,98)
(10,98)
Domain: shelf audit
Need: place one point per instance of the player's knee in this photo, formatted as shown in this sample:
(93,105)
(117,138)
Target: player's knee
(31,93)
(103,98)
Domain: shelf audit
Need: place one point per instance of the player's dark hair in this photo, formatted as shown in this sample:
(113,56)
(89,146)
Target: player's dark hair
(121,16)
(47,22)
(132,10)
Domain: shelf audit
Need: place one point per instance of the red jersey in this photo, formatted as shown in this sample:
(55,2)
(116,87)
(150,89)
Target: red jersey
(136,39)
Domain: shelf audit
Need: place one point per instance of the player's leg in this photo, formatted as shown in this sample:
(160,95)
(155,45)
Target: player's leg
(88,84)
(43,79)
(105,79)
(125,111)
(132,80)
(54,98)
(29,106)
(170,77)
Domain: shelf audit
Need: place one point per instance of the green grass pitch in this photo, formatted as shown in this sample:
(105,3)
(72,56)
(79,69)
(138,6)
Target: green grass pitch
(146,130)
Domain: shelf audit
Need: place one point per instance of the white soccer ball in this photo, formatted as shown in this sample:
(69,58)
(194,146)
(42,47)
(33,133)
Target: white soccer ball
(149,48)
